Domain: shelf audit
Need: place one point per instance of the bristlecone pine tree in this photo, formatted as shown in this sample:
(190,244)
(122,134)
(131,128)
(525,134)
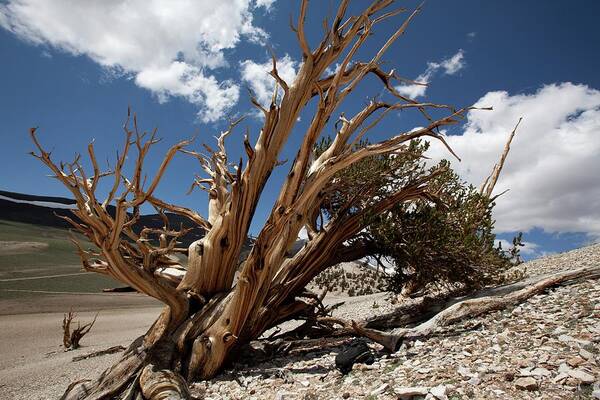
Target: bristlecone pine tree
(207,315)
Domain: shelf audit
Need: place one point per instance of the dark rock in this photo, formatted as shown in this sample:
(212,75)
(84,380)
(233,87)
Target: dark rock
(357,353)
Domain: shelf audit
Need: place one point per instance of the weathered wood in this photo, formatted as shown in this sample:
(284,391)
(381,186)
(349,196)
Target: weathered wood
(505,296)
(110,350)
(487,187)
(121,289)
(161,384)
(71,338)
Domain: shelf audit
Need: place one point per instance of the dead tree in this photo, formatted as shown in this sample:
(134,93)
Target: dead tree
(207,316)
(72,338)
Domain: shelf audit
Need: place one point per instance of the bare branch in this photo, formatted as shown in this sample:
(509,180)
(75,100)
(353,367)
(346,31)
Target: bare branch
(301,34)
(488,185)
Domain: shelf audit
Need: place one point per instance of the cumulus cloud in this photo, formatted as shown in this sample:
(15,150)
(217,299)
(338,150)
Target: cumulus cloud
(530,249)
(414,91)
(168,47)
(448,66)
(265,3)
(451,65)
(553,168)
(256,75)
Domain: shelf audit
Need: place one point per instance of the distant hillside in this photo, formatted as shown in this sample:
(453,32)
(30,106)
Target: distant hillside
(44,210)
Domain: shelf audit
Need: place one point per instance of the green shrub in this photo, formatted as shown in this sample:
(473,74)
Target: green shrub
(443,239)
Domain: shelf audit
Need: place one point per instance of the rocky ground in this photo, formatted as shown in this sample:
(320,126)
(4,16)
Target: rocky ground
(546,348)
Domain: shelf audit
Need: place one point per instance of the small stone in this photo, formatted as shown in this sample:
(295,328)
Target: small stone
(509,377)
(575,361)
(474,381)
(566,338)
(345,395)
(581,375)
(540,372)
(280,396)
(351,381)
(483,369)
(560,377)
(564,368)
(526,384)
(406,393)
(525,371)
(571,382)
(380,390)
(559,330)
(463,371)
(586,354)
(305,383)
(596,394)
(439,392)
(571,339)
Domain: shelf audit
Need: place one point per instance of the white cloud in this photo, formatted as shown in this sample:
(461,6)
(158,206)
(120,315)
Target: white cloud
(414,91)
(553,167)
(265,3)
(262,84)
(449,66)
(453,64)
(182,79)
(530,249)
(167,46)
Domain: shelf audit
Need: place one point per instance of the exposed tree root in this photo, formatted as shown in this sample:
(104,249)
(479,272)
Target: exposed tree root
(163,384)
(120,289)
(110,350)
(503,297)
(113,380)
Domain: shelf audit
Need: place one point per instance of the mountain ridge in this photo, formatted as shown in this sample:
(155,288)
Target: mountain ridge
(47,211)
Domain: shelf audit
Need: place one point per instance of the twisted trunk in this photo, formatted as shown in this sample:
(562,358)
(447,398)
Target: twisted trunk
(206,317)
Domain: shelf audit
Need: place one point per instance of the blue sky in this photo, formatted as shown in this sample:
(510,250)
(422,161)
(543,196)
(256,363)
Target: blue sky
(73,68)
